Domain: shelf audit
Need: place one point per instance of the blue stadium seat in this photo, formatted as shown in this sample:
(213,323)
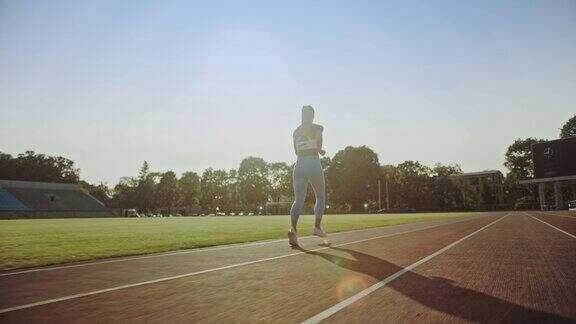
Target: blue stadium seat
(9,202)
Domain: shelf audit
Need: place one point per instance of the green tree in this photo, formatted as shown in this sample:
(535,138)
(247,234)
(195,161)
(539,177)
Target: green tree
(100,192)
(8,167)
(469,197)
(214,190)
(124,193)
(30,166)
(445,191)
(233,197)
(518,157)
(253,181)
(389,177)
(414,186)
(280,179)
(146,189)
(353,175)
(446,170)
(166,190)
(189,190)
(519,162)
(144,171)
(569,128)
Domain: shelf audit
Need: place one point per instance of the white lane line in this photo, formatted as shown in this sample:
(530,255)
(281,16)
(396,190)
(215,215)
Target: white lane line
(559,215)
(141,257)
(347,302)
(554,227)
(101,291)
(206,249)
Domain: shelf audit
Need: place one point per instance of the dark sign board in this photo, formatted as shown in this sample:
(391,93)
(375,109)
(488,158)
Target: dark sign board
(555,158)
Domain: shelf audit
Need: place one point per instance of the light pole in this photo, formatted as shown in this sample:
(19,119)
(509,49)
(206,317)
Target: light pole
(379,197)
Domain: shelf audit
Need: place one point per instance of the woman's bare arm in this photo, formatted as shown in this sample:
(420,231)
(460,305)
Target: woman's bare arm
(320,140)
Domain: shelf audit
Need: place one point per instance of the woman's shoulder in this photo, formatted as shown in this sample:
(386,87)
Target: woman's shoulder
(307,129)
(297,130)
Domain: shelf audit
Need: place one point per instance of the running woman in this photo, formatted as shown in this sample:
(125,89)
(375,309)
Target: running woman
(307,145)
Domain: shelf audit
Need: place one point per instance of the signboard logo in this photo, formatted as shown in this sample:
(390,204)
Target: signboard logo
(548,153)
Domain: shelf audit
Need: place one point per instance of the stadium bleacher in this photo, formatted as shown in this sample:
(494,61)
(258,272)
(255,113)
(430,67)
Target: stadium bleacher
(26,199)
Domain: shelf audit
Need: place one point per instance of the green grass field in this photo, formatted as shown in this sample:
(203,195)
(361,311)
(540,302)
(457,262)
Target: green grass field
(28,243)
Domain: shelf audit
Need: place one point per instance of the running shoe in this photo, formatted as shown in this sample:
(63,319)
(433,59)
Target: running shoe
(319,232)
(292,238)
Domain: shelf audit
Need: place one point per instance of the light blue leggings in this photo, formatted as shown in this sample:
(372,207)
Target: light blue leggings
(308,170)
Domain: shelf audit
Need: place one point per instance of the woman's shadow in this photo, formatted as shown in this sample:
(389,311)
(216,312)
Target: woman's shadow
(440,293)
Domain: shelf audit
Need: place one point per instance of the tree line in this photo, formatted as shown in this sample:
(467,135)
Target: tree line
(352,178)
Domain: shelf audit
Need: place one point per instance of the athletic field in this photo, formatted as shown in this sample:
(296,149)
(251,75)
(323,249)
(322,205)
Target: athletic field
(492,267)
(39,242)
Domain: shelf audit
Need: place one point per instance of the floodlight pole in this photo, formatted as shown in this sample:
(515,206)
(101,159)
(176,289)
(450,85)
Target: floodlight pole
(379,197)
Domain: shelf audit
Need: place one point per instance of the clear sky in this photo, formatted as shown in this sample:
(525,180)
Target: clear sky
(187,85)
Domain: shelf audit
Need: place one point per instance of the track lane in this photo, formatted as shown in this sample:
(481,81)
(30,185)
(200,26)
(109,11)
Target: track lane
(282,290)
(519,270)
(35,287)
(560,220)
(561,213)
(398,274)
(28,288)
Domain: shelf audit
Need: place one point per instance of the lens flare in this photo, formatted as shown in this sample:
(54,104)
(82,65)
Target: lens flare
(349,286)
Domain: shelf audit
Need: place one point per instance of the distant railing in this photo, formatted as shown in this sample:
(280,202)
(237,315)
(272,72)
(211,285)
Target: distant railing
(38,213)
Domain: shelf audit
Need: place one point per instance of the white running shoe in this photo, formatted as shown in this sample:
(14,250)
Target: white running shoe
(319,232)
(292,238)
